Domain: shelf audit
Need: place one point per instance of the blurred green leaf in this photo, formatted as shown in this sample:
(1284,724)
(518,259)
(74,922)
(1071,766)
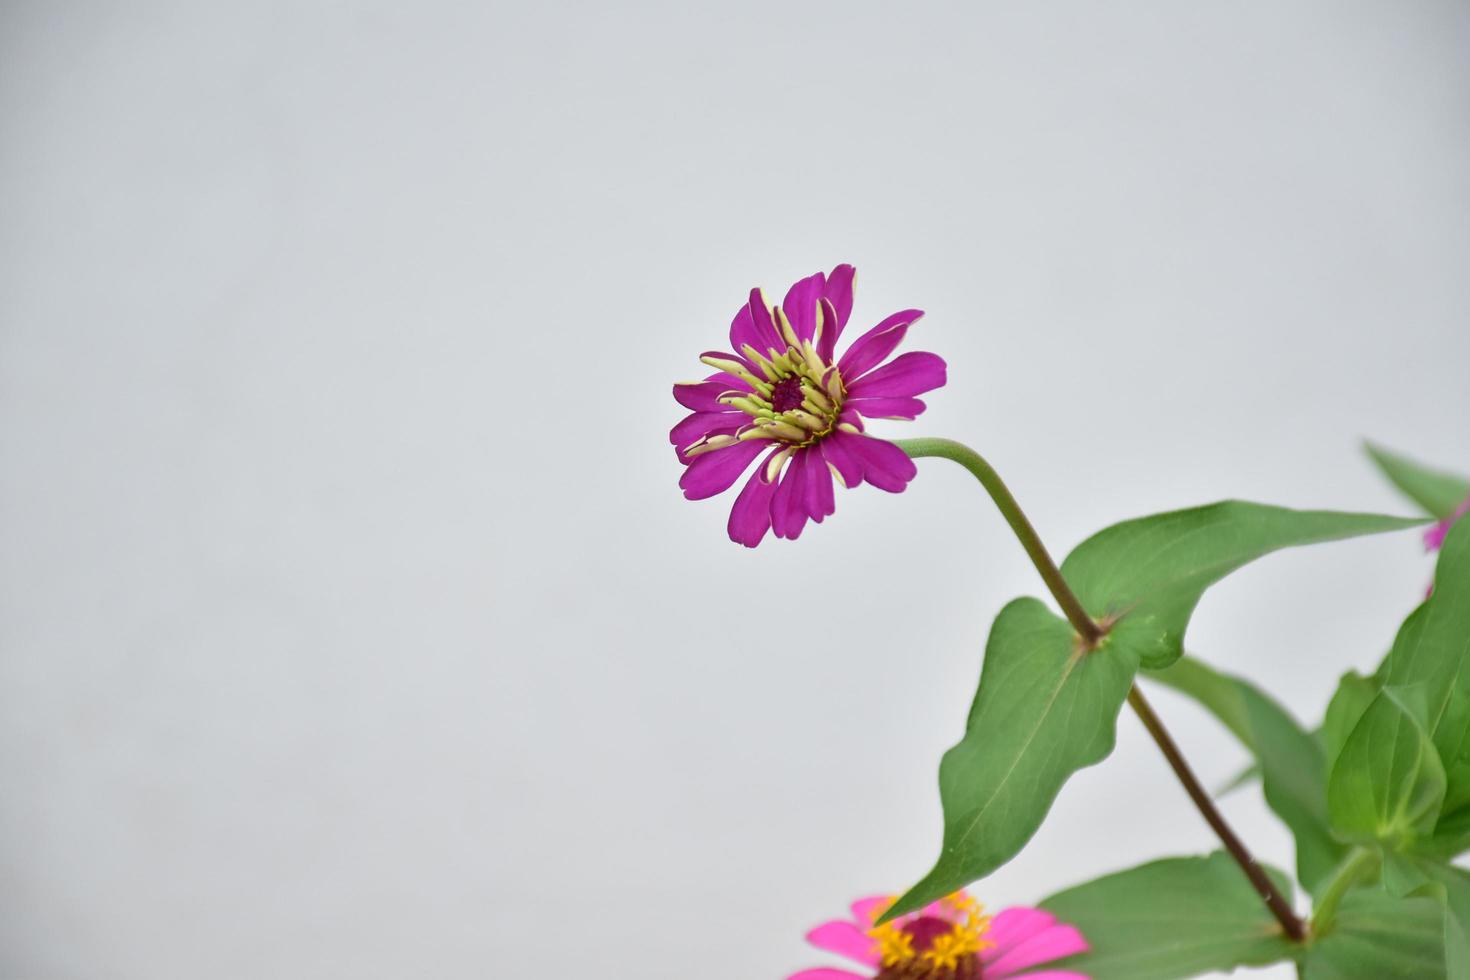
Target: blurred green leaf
(1174,918)
(1293,771)
(1387,785)
(1145,576)
(1439,493)
(1432,653)
(1354,693)
(1220,695)
(1450,886)
(1378,937)
(1456,885)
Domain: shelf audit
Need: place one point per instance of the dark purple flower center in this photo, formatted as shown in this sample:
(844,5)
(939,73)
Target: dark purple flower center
(786,394)
(925,929)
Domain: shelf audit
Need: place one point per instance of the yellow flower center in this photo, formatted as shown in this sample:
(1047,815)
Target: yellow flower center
(939,944)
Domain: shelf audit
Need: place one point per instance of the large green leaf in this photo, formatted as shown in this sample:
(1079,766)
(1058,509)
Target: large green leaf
(1378,937)
(1406,875)
(1144,577)
(1293,771)
(1456,884)
(1353,696)
(1387,785)
(1432,653)
(1439,493)
(1174,918)
(1045,709)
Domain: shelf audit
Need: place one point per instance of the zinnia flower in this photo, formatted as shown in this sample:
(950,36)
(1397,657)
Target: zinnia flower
(783,392)
(1434,537)
(951,939)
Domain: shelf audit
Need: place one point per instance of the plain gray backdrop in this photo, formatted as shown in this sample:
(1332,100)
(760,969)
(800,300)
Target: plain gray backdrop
(351,622)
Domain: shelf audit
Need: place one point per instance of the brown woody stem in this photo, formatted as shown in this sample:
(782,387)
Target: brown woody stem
(1090,633)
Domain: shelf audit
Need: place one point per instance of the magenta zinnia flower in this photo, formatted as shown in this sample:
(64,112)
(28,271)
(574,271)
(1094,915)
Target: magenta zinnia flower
(952,939)
(1434,537)
(782,392)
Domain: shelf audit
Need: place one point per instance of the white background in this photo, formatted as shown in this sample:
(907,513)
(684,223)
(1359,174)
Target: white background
(351,622)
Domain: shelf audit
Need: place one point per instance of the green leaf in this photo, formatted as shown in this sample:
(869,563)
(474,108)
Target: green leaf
(1451,836)
(1403,875)
(1174,918)
(1388,784)
(1456,885)
(1437,492)
(1450,886)
(1456,945)
(1378,937)
(1045,709)
(1354,693)
(1432,653)
(1145,576)
(1293,770)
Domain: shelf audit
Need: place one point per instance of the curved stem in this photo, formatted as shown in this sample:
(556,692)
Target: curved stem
(1359,862)
(1084,624)
(1091,634)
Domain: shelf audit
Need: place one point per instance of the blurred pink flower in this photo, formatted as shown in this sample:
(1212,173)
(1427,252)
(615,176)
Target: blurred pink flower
(783,389)
(1434,537)
(951,939)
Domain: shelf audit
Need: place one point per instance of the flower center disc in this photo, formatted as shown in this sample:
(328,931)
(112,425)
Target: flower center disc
(786,394)
(925,929)
(923,933)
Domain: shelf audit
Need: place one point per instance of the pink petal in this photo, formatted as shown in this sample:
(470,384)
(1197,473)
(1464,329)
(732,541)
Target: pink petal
(742,330)
(820,501)
(830,330)
(873,347)
(788,508)
(904,377)
(1016,925)
(765,326)
(845,939)
(888,408)
(750,518)
(703,396)
(883,464)
(800,304)
(694,427)
(1434,537)
(1027,937)
(827,973)
(713,472)
(850,469)
(839,292)
(865,910)
(725,355)
(1043,947)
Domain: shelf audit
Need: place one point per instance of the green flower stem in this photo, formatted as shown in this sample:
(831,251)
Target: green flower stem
(1086,627)
(1360,862)
(1091,634)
